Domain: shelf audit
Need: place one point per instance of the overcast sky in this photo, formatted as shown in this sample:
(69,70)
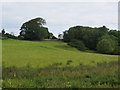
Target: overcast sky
(60,16)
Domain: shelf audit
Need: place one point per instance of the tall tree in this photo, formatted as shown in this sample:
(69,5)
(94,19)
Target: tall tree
(3,32)
(34,30)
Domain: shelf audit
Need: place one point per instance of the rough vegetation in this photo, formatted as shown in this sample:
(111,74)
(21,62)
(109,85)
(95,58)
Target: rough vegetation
(104,75)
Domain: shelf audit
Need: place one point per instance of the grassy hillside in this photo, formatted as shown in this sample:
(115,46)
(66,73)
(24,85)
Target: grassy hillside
(22,62)
(44,53)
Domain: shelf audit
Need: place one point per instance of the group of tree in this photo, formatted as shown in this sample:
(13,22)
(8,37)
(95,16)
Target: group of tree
(5,35)
(34,30)
(83,38)
(100,39)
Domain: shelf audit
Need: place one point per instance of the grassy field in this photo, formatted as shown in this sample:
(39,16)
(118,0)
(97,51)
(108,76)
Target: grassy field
(104,75)
(44,53)
(54,64)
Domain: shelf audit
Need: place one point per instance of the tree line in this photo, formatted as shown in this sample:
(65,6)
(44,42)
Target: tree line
(99,39)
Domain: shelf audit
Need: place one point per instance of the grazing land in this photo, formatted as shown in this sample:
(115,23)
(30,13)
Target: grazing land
(20,53)
(54,64)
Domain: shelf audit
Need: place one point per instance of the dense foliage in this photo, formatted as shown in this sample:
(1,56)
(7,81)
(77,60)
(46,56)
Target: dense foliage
(34,30)
(3,32)
(93,38)
(5,35)
(78,44)
(107,44)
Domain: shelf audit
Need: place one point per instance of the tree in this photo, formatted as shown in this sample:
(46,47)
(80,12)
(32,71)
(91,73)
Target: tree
(101,39)
(60,36)
(66,36)
(3,32)
(43,33)
(50,36)
(54,37)
(88,35)
(34,30)
(107,45)
(117,50)
(116,34)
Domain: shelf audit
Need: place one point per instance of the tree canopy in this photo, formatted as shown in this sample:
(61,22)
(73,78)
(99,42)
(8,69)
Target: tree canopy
(3,32)
(107,44)
(92,38)
(34,30)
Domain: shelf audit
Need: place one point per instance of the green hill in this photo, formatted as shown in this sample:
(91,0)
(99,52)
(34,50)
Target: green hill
(44,53)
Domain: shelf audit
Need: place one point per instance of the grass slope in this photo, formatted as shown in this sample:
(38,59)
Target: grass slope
(44,53)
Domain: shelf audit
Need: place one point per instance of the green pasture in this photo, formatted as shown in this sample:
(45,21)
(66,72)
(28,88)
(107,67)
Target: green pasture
(21,53)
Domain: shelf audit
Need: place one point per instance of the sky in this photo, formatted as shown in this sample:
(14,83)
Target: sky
(60,16)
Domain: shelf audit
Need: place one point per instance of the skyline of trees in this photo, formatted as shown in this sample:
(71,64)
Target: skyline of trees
(100,39)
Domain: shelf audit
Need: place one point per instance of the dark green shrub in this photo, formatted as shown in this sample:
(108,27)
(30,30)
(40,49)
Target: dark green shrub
(107,44)
(77,44)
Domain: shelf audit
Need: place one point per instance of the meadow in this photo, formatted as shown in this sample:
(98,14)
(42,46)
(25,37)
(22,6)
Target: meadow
(54,64)
(20,53)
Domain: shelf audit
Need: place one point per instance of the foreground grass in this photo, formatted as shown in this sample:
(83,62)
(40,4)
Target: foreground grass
(37,54)
(103,75)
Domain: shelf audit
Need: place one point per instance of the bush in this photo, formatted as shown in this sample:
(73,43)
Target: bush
(77,44)
(106,46)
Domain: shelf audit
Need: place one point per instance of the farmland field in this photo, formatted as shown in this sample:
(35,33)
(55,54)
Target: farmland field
(54,64)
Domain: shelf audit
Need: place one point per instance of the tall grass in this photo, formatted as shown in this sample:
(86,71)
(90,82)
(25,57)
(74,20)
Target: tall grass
(103,75)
